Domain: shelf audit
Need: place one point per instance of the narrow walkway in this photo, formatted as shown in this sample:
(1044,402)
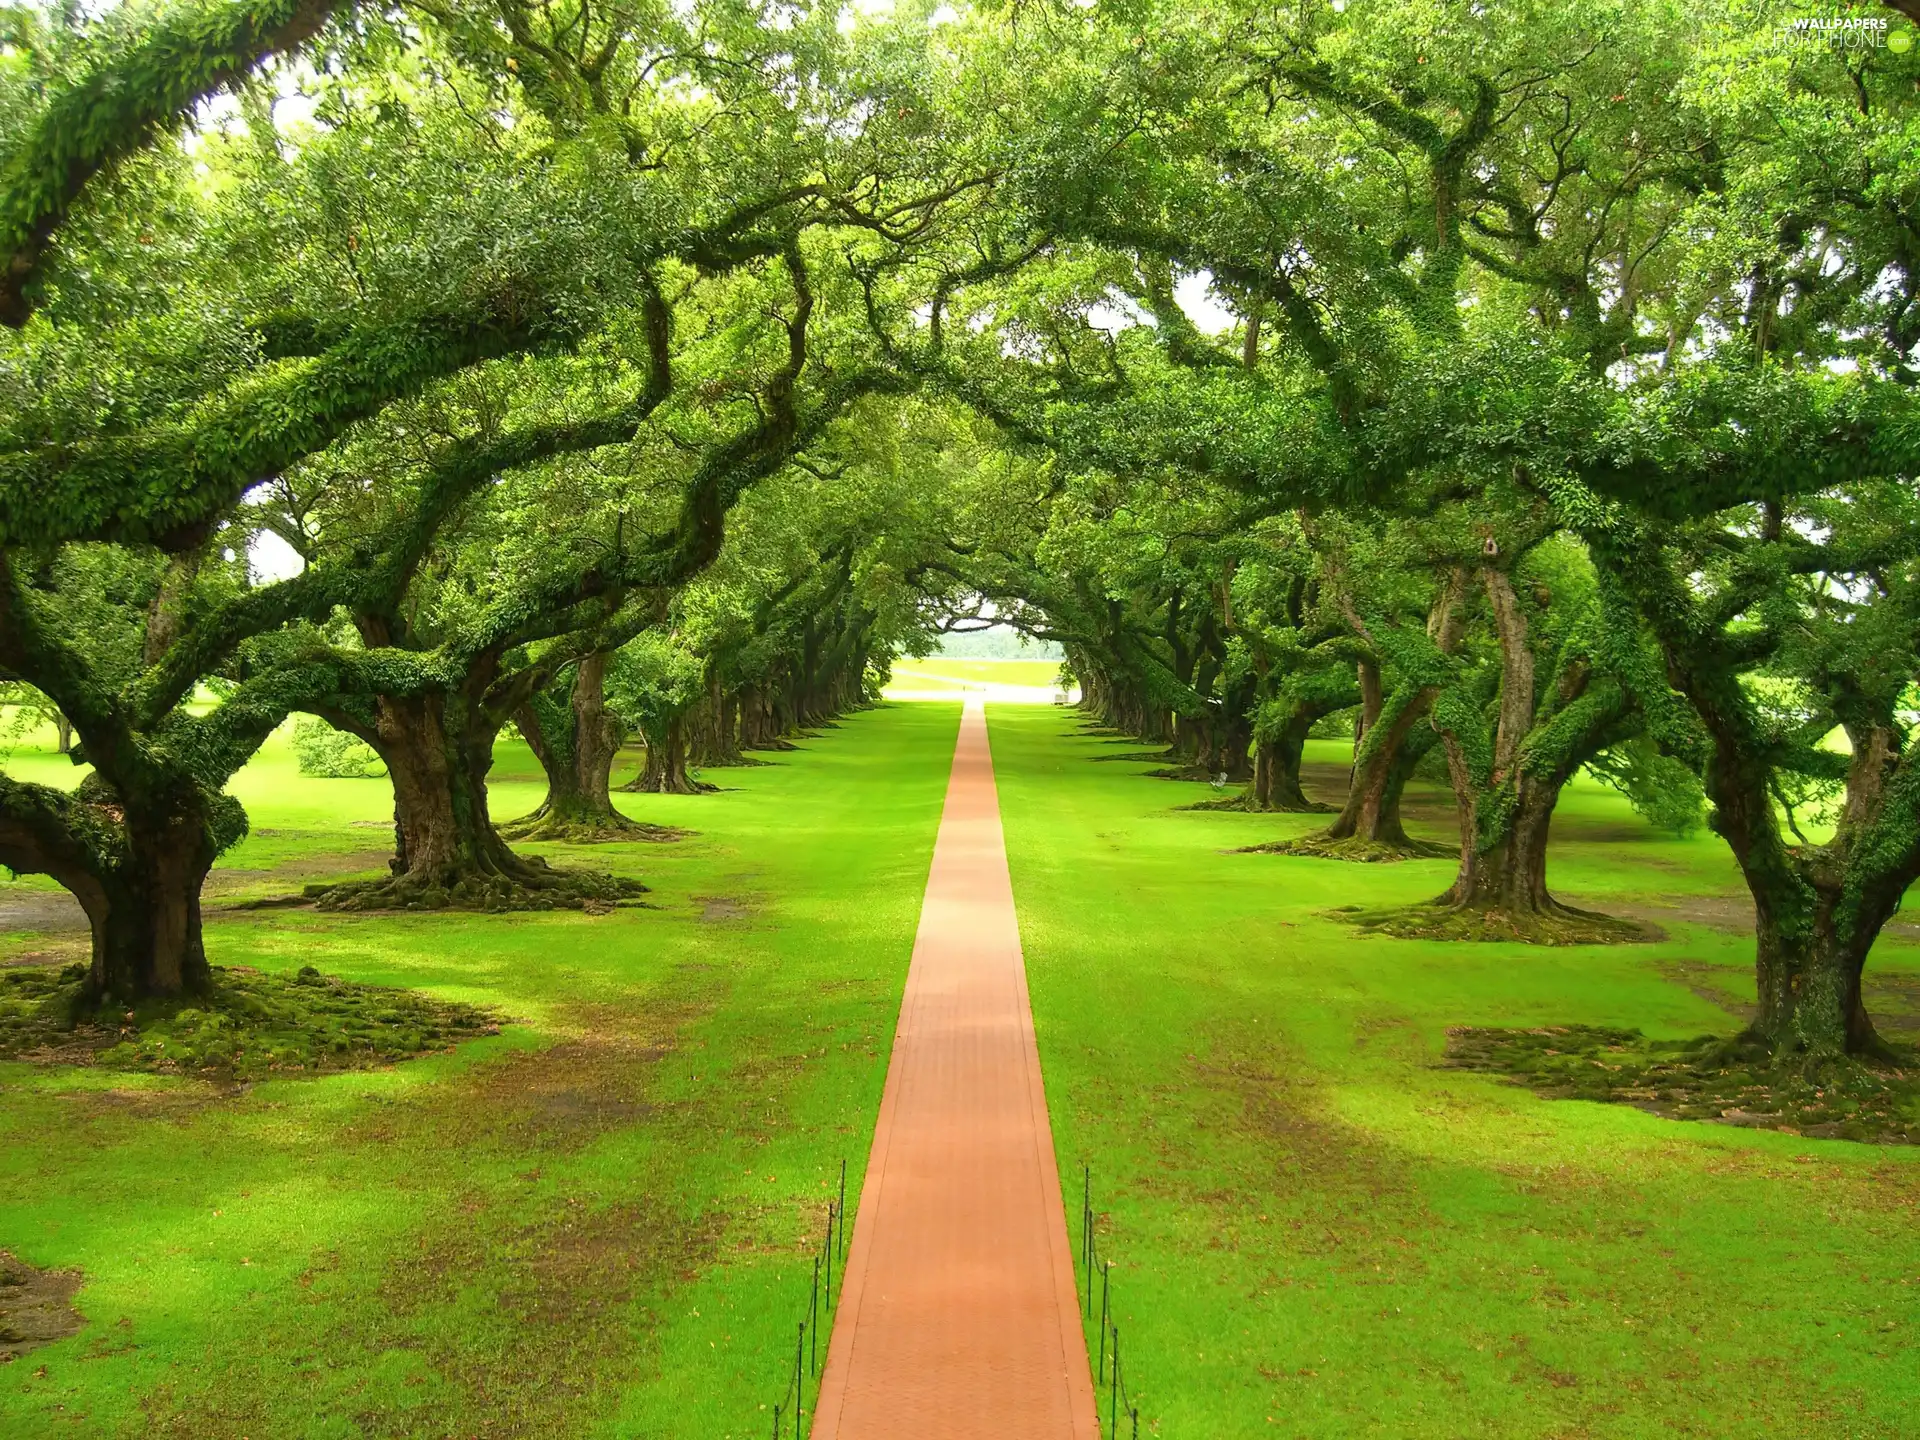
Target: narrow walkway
(959,1316)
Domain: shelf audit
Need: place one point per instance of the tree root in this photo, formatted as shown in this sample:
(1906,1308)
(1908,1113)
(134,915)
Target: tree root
(1560,925)
(689,787)
(1246,802)
(1353,848)
(1724,1080)
(589,831)
(252,1025)
(536,886)
(1193,772)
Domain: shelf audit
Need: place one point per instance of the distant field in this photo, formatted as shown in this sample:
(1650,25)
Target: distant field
(987,672)
(912,682)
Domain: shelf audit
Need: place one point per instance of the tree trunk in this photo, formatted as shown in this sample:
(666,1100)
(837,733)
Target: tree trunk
(442,830)
(446,851)
(1808,965)
(576,747)
(1510,877)
(1276,770)
(1190,744)
(1395,742)
(63,729)
(1372,700)
(1230,740)
(665,772)
(145,917)
(759,727)
(136,873)
(1500,889)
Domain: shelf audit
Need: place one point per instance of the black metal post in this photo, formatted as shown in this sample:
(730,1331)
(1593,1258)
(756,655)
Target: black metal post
(832,1215)
(1087,1233)
(1106,1291)
(813,1322)
(799,1382)
(843,1209)
(1113,1392)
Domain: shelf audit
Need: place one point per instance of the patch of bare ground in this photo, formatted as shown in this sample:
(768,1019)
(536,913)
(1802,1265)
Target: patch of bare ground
(52,954)
(1892,997)
(531,1306)
(551,1298)
(41,912)
(558,1293)
(1728,1082)
(559,1100)
(225,884)
(1715,984)
(1729,912)
(36,1307)
(722,909)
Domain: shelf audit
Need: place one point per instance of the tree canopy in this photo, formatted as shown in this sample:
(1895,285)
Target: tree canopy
(1520,388)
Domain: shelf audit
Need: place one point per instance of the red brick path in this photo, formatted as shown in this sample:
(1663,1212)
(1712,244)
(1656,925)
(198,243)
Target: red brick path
(959,1317)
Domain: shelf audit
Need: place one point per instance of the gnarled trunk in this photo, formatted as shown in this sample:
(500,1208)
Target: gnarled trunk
(718,736)
(1808,964)
(136,872)
(1508,878)
(446,851)
(145,916)
(1394,746)
(1506,812)
(1228,742)
(665,772)
(576,746)
(760,727)
(1276,770)
(442,830)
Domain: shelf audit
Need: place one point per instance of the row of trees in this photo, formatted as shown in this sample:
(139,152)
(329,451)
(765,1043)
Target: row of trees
(1556,410)
(1550,405)
(497,343)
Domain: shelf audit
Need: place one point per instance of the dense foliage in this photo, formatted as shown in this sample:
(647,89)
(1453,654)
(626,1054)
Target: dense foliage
(1526,387)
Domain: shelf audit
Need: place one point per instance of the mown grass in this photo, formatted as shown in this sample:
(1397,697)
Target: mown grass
(1321,1232)
(593,1224)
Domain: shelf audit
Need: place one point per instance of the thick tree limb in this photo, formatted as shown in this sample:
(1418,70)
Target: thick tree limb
(124,99)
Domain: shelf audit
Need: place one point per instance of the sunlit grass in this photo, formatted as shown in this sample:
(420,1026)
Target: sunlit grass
(590,1225)
(1320,1233)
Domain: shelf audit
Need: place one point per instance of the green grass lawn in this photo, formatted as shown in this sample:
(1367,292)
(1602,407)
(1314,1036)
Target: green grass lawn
(592,1225)
(1320,1233)
(595,1224)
